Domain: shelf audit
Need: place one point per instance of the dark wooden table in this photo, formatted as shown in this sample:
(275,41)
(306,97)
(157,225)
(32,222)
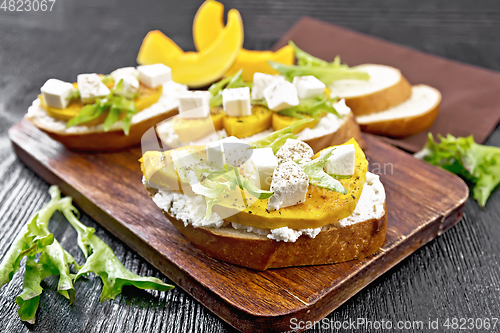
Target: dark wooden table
(454,276)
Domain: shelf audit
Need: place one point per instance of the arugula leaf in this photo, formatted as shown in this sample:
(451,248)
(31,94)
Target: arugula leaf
(317,176)
(102,261)
(276,139)
(233,81)
(314,107)
(478,164)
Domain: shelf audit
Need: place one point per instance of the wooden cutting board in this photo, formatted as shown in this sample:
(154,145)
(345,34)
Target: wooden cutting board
(423,202)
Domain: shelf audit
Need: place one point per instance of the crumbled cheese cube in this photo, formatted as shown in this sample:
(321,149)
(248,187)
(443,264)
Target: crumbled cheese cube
(289,185)
(308,86)
(55,93)
(129,85)
(281,95)
(229,150)
(342,161)
(236,102)
(125,71)
(342,108)
(293,150)
(155,75)
(194,104)
(260,167)
(91,87)
(261,81)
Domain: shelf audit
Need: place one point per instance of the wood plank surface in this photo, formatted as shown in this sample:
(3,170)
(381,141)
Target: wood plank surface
(455,275)
(108,187)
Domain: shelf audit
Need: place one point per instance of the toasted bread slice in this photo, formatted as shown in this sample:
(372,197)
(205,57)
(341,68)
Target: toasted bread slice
(354,237)
(94,138)
(349,129)
(386,88)
(408,118)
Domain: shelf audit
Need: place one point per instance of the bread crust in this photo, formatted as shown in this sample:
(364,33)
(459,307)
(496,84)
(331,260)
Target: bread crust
(333,244)
(107,141)
(380,100)
(349,129)
(402,127)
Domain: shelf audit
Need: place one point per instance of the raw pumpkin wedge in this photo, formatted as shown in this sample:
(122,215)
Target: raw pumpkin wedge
(256,62)
(208,24)
(196,69)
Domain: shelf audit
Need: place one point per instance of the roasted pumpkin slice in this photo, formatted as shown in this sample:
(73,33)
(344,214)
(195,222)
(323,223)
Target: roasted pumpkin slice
(321,207)
(242,127)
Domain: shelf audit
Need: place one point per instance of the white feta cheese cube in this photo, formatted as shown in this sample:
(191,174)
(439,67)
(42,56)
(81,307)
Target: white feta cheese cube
(194,104)
(294,150)
(342,108)
(281,95)
(236,152)
(215,154)
(308,86)
(155,75)
(289,185)
(229,150)
(342,161)
(261,81)
(55,93)
(91,87)
(120,72)
(260,167)
(129,85)
(236,102)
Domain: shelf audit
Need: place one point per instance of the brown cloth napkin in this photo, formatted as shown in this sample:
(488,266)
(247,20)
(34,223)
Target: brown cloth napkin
(471,95)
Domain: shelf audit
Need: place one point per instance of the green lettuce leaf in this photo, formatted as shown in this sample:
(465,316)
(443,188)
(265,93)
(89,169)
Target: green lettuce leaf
(75,94)
(314,107)
(276,139)
(54,260)
(317,176)
(305,59)
(327,75)
(326,72)
(478,164)
(118,107)
(233,81)
(102,261)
